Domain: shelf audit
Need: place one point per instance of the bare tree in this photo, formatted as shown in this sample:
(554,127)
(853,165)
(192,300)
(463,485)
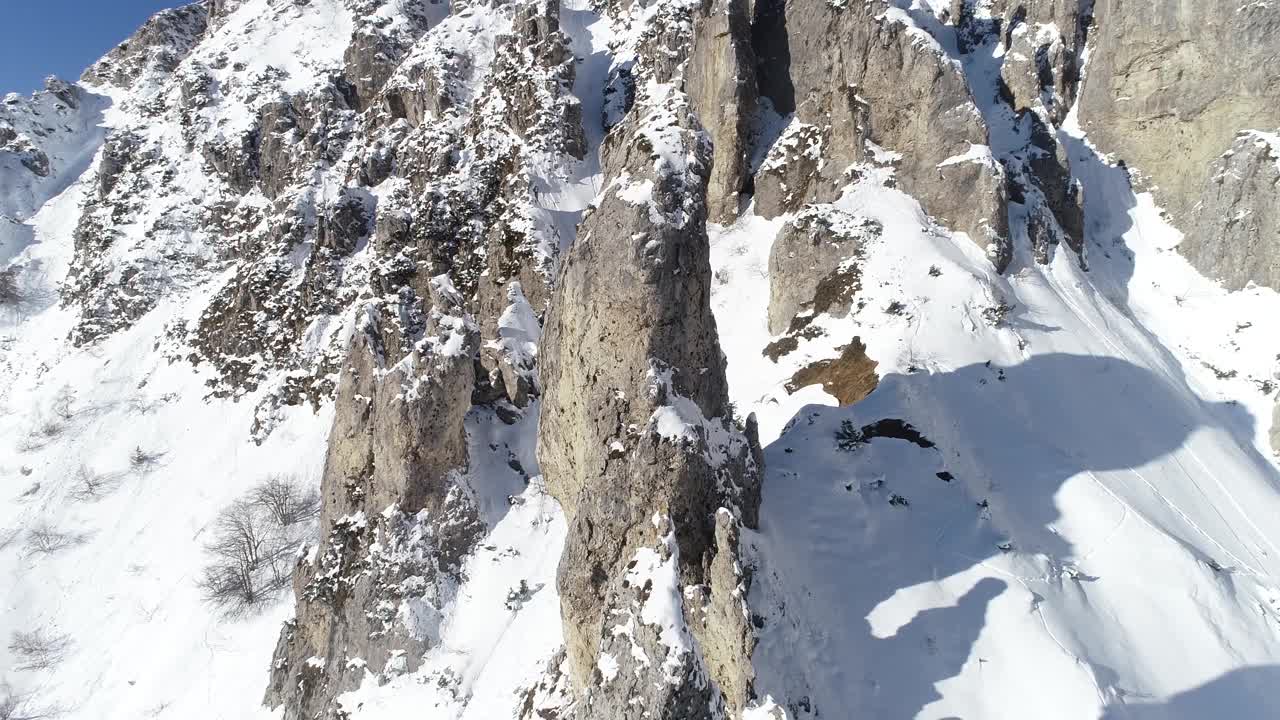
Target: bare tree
(64,403)
(44,431)
(16,301)
(250,557)
(38,649)
(254,541)
(286,500)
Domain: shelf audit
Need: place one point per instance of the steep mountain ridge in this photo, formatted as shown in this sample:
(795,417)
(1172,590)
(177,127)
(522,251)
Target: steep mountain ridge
(671,359)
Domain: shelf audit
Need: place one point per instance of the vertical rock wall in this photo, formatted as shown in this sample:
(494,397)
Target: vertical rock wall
(637,439)
(1169,87)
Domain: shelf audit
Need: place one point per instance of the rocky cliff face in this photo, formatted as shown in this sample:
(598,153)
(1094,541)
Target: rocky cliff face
(396,521)
(1170,86)
(1234,228)
(867,85)
(461,256)
(637,439)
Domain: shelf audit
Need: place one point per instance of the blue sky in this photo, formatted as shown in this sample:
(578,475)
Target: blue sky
(63,37)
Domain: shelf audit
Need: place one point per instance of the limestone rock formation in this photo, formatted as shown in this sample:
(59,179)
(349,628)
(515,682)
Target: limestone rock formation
(813,265)
(722,87)
(1043,43)
(1039,48)
(637,440)
(461,257)
(1168,88)
(155,49)
(395,523)
(1233,233)
(451,224)
(867,86)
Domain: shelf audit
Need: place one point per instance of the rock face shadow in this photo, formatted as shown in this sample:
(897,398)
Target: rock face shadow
(851,538)
(1244,694)
(1108,198)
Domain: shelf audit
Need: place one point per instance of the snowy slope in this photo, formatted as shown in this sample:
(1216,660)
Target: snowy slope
(142,643)
(117,587)
(1103,486)
(46,142)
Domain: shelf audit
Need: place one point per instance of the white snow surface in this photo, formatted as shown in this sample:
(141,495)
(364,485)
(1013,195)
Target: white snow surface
(142,642)
(1102,547)
(1103,544)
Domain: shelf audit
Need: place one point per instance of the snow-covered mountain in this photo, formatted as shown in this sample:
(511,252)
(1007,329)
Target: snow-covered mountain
(658,359)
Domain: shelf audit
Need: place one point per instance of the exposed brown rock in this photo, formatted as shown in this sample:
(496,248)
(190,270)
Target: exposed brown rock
(722,87)
(813,264)
(636,438)
(849,378)
(389,486)
(1233,232)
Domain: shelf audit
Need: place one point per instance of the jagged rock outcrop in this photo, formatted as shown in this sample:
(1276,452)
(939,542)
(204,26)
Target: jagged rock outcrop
(361,206)
(636,439)
(1169,86)
(866,86)
(1040,48)
(154,51)
(813,265)
(285,169)
(1043,42)
(395,523)
(722,87)
(1233,231)
(461,256)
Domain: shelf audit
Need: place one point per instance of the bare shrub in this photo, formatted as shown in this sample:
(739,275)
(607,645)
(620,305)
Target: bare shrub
(18,299)
(38,649)
(44,539)
(11,295)
(254,543)
(144,461)
(16,705)
(89,485)
(50,428)
(44,431)
(64,404)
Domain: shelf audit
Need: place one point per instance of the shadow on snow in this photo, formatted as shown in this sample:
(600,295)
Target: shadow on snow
(844,530)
